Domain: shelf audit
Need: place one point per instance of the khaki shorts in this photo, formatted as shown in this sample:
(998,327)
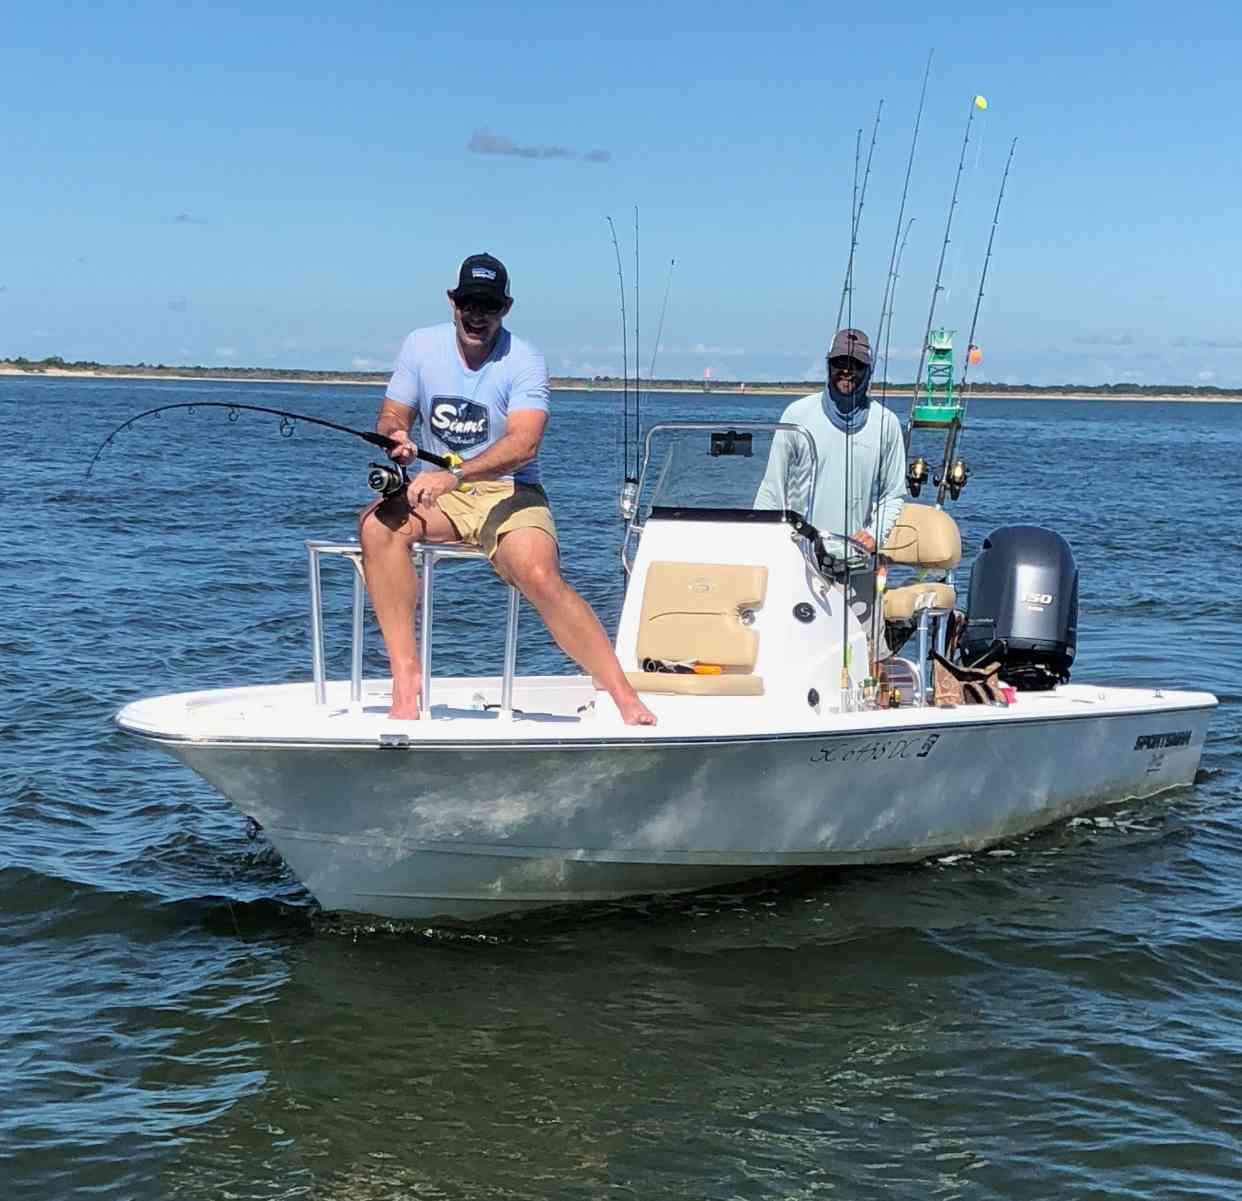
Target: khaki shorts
(482,512)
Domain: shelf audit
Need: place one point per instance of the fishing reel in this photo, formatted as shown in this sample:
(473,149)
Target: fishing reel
(955,478)
(916,475)
(387,479)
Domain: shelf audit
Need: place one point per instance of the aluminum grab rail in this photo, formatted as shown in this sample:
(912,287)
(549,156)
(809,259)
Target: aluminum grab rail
(425,555)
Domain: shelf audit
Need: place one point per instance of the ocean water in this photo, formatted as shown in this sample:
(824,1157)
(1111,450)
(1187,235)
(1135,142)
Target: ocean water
(1059,1018)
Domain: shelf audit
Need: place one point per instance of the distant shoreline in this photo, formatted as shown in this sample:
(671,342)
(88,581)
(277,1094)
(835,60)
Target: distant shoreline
(246,375)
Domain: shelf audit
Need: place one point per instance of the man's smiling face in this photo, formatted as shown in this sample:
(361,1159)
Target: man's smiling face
(478,319)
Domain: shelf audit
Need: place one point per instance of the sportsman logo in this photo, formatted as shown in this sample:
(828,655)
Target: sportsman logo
(459,423)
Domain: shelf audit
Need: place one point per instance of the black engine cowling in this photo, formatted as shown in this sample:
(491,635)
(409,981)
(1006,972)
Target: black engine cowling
(1023,608)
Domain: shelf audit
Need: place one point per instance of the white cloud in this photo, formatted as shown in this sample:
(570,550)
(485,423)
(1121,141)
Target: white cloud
(361,362)
(1105,338)
(1206,376)
(585,369)
(484,141)
(226,352)
(728,352)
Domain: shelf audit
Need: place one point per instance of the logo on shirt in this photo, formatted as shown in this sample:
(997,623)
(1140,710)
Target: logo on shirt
(459,423)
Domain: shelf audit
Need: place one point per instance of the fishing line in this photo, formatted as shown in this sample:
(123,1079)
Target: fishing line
(660,327)
(849,262)
(235,410)
(890,283)
(962,388)
(860,199)
(975,101)
(969,198)
(881,577)
(847,306)
(638,358)
(894,276)
(625,357)
(987,258)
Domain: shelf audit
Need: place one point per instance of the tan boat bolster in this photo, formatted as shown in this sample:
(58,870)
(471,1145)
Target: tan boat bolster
(901,604)
(693,685)
(692,613)
(924,536)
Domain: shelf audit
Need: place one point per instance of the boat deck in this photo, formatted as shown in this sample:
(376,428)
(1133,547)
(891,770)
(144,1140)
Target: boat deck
(569,709)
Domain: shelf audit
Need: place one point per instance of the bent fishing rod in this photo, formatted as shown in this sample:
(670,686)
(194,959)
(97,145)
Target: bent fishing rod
(386,478)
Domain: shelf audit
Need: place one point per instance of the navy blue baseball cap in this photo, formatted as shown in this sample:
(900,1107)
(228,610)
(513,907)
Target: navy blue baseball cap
(482,275)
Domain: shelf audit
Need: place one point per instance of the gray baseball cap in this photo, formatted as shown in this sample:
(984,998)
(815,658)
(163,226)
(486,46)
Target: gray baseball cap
(851,344)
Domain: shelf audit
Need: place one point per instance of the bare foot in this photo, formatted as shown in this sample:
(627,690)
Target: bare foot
(635,713)
(404,705)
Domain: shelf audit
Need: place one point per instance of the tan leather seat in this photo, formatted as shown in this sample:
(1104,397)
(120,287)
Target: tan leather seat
(692,613)
(926,538)
(901,604)
(694,685)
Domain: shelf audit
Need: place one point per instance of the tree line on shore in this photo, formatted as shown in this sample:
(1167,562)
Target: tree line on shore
(56,363)
(603,382)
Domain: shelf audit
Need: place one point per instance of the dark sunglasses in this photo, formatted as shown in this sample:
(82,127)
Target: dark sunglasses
(479,305)
(843,364)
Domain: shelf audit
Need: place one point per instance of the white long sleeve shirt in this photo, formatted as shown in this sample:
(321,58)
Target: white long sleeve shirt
(873,446)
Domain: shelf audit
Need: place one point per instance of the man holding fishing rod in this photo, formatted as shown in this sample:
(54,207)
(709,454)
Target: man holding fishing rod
(482,398)
(862,469)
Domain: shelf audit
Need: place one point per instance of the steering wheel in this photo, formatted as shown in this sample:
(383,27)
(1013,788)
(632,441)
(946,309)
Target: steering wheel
(858,554)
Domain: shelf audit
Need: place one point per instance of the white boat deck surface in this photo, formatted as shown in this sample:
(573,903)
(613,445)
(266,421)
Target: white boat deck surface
(569,709)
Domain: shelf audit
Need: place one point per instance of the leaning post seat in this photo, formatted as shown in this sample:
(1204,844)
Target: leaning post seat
(697,613)
(928,539)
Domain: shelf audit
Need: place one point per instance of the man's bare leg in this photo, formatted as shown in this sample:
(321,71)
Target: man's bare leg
(385,531)
(528,557)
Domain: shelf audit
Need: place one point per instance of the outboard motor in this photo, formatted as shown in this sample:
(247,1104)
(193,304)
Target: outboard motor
(1023,609)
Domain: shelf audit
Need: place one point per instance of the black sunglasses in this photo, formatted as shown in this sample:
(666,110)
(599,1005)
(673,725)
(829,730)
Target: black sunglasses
(844,364)
(491,307)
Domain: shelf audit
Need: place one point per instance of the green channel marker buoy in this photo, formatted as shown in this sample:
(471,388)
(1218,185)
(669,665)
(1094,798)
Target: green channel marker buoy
(938,406)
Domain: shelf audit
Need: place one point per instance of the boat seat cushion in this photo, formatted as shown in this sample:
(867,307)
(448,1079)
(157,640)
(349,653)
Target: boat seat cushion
(901,604)
(923,536)
(725,684)
(692,613)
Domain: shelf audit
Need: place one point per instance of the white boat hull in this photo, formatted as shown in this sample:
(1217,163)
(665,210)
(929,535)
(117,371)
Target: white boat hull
(444,823)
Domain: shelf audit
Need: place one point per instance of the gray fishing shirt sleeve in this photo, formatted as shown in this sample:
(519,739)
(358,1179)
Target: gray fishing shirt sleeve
(890,480)
(873,452)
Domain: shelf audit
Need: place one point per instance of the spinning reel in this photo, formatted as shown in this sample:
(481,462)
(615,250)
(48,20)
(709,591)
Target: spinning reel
(387,479)
(954,478)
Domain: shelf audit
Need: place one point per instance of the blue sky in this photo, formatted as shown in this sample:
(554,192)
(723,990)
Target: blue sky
(284,185)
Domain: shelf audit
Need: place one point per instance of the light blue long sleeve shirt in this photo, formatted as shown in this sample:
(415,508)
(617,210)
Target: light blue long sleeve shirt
(871,443)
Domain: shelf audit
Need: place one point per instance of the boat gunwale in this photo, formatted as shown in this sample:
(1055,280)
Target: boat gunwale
(993,718)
